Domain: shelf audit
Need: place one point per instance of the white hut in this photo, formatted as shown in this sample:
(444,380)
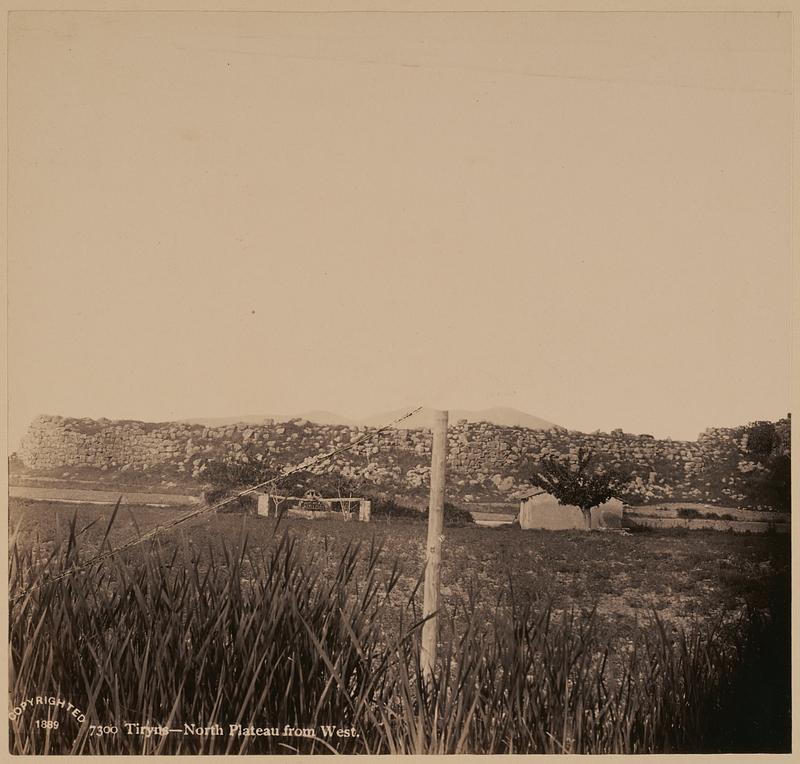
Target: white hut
(539,509)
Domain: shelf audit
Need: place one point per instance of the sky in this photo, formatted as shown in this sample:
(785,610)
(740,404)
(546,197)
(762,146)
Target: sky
(583,216)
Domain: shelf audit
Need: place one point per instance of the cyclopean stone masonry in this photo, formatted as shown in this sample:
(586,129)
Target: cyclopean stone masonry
(485,461)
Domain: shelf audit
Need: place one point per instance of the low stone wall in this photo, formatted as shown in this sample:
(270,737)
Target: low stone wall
(84,496)
(709,513)
(762,522)
(695,524)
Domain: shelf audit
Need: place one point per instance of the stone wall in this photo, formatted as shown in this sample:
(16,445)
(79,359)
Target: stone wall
(485,461)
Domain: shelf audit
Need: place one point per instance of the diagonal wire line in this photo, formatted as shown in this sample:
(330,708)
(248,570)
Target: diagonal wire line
(203,510)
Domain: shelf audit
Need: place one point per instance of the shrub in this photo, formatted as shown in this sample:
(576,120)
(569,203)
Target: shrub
(453,516)
(389,508)
(772,488)
(762,438)
(247,503)
(224,479)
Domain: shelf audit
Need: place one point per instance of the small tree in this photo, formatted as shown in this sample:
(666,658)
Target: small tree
(223,478)
(578,486)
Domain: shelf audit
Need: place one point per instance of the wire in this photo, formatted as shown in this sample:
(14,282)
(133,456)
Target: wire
(152,533)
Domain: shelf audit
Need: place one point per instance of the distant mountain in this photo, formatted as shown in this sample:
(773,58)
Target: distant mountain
(317,416)
(504,416)
(223,421)
(501,415)
(324,417)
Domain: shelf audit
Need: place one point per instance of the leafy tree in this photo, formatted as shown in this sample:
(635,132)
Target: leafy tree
(577,486)
(762,438)
(224,478)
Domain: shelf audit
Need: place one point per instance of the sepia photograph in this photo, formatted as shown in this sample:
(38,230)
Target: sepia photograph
(398,381)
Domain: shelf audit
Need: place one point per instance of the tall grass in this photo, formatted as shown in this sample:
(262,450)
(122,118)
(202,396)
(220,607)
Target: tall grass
(176,635)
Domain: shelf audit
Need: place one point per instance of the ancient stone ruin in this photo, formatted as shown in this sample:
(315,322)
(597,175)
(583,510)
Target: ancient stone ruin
(485,461)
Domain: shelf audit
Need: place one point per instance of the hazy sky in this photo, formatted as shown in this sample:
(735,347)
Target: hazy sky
(585,216)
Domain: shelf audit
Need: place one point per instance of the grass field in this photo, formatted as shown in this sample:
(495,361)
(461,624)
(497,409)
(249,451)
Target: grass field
(681,574)
(605,589)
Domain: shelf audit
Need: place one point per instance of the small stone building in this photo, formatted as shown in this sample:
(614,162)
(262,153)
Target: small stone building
(539,509)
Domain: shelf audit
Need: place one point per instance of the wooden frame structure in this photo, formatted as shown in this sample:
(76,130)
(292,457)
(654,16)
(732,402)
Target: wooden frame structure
(345,511)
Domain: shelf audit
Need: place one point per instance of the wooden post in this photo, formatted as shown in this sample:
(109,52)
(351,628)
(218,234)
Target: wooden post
(430,629)
(364,510)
